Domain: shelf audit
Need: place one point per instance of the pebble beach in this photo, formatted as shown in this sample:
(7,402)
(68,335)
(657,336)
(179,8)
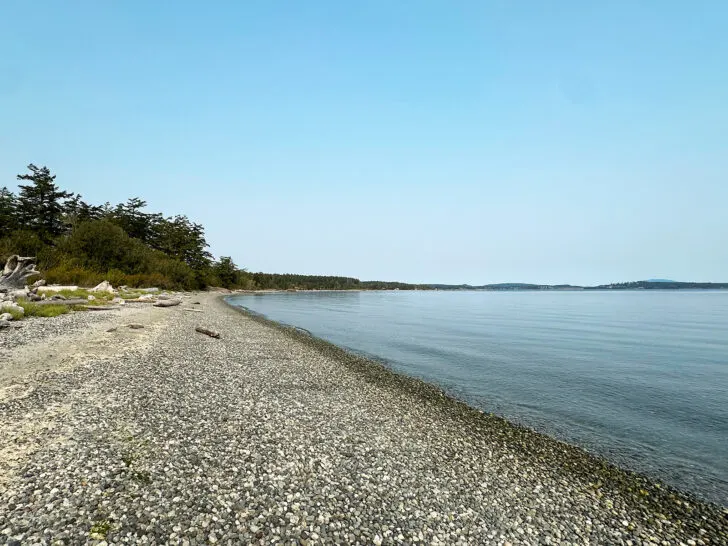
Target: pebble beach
(160,434)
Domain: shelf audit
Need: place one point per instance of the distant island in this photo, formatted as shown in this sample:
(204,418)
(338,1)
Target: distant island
(651,284)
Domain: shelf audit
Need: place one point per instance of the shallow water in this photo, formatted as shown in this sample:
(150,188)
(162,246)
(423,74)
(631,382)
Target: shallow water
(639,376)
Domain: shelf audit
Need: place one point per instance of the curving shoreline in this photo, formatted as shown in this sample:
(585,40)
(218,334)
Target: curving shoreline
(267,435)
(640,491)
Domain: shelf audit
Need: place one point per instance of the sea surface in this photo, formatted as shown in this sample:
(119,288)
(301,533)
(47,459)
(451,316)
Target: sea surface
(640,377)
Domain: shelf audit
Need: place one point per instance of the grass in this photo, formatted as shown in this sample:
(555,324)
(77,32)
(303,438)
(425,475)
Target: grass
(33,309)
(81,293)
(100,529)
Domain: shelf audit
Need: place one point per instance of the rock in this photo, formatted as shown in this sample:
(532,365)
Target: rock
(40,282)
(15,294)
(104,286)
(4,324)
(6,316)
(11,307)
(136,326)
(118,300)
(58,297)
(91,298)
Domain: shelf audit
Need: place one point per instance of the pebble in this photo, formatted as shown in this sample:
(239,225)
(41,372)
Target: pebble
(271,436)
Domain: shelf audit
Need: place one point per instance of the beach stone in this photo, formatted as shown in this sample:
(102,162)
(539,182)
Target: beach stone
(11,307)
(6,316)
(104,286)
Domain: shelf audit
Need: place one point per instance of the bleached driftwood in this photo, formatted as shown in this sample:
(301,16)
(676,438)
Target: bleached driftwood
(167,303)
(17,269)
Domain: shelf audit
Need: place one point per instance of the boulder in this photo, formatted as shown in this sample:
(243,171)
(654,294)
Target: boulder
(104,286)
(11,307)
(6,316)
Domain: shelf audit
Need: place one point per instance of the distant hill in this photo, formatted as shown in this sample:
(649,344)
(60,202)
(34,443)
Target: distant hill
(651,284)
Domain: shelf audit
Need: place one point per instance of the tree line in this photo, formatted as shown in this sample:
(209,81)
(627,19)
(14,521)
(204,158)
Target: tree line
(82,244)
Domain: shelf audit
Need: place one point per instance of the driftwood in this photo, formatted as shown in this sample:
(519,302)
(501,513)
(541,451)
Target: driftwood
(101,307)
(207,332)
(17,269)
(140,301)
(167,303)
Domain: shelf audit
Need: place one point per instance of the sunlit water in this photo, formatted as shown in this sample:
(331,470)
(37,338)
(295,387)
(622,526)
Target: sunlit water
(640,377)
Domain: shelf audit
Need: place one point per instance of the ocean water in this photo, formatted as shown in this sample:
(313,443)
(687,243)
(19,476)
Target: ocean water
(640,377)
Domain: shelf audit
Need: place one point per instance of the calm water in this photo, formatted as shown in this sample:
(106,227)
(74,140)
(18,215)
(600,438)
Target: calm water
(640,377)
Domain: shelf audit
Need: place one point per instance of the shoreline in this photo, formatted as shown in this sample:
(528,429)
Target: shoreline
(530,441)
(270,435)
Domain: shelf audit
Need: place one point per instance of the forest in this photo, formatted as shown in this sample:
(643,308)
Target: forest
(83,244)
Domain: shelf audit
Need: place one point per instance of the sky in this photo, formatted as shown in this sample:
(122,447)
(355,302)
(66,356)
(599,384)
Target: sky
(420,141)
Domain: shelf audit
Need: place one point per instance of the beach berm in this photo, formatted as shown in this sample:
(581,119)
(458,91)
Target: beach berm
(263,434)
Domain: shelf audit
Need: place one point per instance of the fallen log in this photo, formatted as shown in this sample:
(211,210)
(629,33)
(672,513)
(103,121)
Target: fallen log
(101,308)
(207,332)
(167,303)
(140,301)
(17,269)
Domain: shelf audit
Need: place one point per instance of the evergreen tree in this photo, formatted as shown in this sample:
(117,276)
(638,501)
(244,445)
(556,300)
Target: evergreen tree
(40,203)
(8,209)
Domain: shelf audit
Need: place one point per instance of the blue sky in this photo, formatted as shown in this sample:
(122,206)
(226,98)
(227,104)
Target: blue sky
(420,141)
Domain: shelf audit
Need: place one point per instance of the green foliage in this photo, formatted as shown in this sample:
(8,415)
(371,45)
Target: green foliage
(40,203)
(22,242)
(82,244)
(33,309)
(8,212)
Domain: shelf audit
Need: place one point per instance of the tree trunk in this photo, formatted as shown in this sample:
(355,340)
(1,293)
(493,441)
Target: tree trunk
(17,269)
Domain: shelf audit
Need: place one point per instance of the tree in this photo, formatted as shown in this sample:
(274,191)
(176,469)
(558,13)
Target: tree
(8,212)
(138,224)
(40,203)
(226,271)
(183,240)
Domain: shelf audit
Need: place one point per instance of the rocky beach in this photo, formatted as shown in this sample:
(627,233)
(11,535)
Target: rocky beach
(132,426)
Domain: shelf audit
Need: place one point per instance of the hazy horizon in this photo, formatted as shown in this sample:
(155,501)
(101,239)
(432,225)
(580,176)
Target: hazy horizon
(437,142)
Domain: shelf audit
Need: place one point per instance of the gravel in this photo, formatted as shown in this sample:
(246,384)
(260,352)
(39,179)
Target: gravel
(270,436)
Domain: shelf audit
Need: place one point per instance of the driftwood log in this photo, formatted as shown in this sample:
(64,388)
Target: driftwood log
(167,303)
(207,332)
(17,269)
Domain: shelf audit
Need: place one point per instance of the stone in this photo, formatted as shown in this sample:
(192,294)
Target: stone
(104,286)
(11,307)
(6,316)
(91,298)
